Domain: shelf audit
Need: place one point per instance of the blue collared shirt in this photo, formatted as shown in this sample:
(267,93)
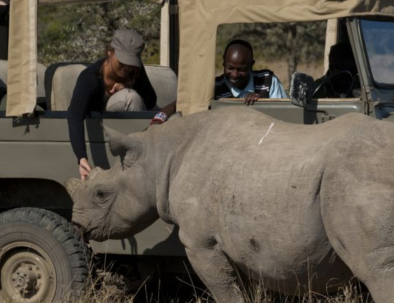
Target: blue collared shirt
(276,90)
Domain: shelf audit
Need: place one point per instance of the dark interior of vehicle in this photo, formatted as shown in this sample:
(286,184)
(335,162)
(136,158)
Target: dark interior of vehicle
(4,33)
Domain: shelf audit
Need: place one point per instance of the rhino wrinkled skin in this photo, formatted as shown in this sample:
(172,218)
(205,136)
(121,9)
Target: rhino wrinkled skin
(293,206)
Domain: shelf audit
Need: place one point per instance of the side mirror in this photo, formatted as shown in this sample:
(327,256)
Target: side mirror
(301,89)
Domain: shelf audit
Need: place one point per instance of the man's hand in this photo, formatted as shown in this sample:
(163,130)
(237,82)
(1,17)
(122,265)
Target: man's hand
(117,87)
(250,99)
(84,168)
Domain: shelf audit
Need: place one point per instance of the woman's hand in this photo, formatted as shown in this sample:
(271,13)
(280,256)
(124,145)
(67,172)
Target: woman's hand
(117,87)
(84,168)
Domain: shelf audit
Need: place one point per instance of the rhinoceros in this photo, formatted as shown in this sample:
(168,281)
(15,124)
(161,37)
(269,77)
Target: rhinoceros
(296,207)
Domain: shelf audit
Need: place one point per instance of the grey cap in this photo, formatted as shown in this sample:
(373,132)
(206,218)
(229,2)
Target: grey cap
(128,45)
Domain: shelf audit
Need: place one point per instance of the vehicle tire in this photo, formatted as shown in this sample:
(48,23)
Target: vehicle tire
(42,258)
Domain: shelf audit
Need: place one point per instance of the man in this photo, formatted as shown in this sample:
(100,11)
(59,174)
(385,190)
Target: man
(341,77)
(240,81)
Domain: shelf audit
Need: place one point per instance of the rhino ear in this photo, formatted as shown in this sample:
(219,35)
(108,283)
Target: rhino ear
(118,143)
(127,148)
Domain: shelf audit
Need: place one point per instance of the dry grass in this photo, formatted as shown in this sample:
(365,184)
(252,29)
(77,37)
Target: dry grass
(98,291)
(348,294)
(130,285)
(352,293)
(126,288)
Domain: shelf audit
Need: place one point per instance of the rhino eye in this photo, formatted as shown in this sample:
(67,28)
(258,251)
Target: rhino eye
(102,195)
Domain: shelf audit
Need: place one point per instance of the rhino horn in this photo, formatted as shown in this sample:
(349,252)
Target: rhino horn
(72,184)
(94,172)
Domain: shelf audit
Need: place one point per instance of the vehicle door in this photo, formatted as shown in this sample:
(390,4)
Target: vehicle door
(374,46)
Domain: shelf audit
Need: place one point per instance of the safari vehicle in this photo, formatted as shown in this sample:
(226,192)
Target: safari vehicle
(41,254)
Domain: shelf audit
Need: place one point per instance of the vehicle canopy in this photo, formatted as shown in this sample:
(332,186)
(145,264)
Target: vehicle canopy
(198,23)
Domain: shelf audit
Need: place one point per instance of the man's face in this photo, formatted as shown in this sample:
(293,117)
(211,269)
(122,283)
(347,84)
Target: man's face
(237,65)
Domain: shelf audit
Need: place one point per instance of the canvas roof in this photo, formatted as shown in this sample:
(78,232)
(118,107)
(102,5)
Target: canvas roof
(198,21)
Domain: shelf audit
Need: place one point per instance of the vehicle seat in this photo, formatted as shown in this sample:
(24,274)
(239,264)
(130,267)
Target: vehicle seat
(40,81)
(60,80)
(164,82)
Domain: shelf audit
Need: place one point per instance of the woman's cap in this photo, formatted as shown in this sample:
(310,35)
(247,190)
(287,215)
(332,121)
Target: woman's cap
(128,45)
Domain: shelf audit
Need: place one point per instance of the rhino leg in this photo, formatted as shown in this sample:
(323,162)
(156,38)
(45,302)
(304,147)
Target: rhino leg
(215,270)
(375,269)
(360,227)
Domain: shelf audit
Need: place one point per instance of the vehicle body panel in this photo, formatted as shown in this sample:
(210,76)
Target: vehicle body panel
(318,111)
(39,148)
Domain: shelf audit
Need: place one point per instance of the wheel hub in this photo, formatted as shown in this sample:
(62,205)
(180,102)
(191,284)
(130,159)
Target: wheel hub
(25,278)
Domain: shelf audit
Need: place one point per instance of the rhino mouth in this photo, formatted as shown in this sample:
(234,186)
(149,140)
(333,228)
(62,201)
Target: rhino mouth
(88,234)
(83,232)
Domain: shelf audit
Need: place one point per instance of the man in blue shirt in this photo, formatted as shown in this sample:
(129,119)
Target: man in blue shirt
(240,81)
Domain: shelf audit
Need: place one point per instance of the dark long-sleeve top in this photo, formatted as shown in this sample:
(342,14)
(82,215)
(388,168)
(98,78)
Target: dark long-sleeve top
(88,96)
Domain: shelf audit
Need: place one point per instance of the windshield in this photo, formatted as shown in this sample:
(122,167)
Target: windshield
(379,41)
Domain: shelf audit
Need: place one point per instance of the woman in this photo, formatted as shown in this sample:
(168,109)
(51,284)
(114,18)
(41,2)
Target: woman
(115,83)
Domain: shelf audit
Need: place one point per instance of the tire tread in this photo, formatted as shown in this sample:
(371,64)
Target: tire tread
(78,254)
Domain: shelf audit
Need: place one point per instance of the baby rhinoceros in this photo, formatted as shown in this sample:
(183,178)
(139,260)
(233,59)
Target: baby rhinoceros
(292,206)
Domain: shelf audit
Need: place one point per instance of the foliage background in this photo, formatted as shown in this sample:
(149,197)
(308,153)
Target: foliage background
(81,33)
